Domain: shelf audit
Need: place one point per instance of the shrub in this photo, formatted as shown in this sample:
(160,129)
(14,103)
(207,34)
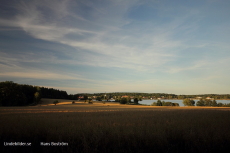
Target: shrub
(200,103)
(220,104)
(154,104)
(159,103)
(123,101)
(175,104)
(188,102)
(55,102)
(90,101)
(169,104)
(135,100)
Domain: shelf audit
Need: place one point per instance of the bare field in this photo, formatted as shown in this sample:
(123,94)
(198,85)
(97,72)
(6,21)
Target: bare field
(112,127)
(81,106)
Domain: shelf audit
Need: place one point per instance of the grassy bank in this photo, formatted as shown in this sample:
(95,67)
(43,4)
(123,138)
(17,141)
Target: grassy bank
(116,128)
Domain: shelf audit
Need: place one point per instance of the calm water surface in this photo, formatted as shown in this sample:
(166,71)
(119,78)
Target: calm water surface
(149,102)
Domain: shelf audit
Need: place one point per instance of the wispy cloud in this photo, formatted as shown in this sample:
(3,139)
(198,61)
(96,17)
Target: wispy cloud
(108,42)
(153,38)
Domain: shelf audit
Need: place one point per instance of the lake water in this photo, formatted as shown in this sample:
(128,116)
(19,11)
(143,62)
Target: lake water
(180,102)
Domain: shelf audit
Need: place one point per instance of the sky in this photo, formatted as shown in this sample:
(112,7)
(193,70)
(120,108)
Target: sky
(91,46)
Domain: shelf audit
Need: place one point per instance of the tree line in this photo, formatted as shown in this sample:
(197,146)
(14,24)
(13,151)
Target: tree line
(127,100)
(163,103)
(157,95)
(13,94)
(204,102)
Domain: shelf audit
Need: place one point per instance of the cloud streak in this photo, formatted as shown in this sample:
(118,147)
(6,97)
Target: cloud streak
(154,38)
(33,22)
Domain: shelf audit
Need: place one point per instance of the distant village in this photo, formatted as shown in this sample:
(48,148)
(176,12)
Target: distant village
(142,97)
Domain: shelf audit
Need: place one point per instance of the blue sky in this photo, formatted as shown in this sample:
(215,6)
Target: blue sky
(157,46)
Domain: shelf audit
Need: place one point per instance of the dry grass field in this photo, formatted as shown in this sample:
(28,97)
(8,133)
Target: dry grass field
(112,127)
